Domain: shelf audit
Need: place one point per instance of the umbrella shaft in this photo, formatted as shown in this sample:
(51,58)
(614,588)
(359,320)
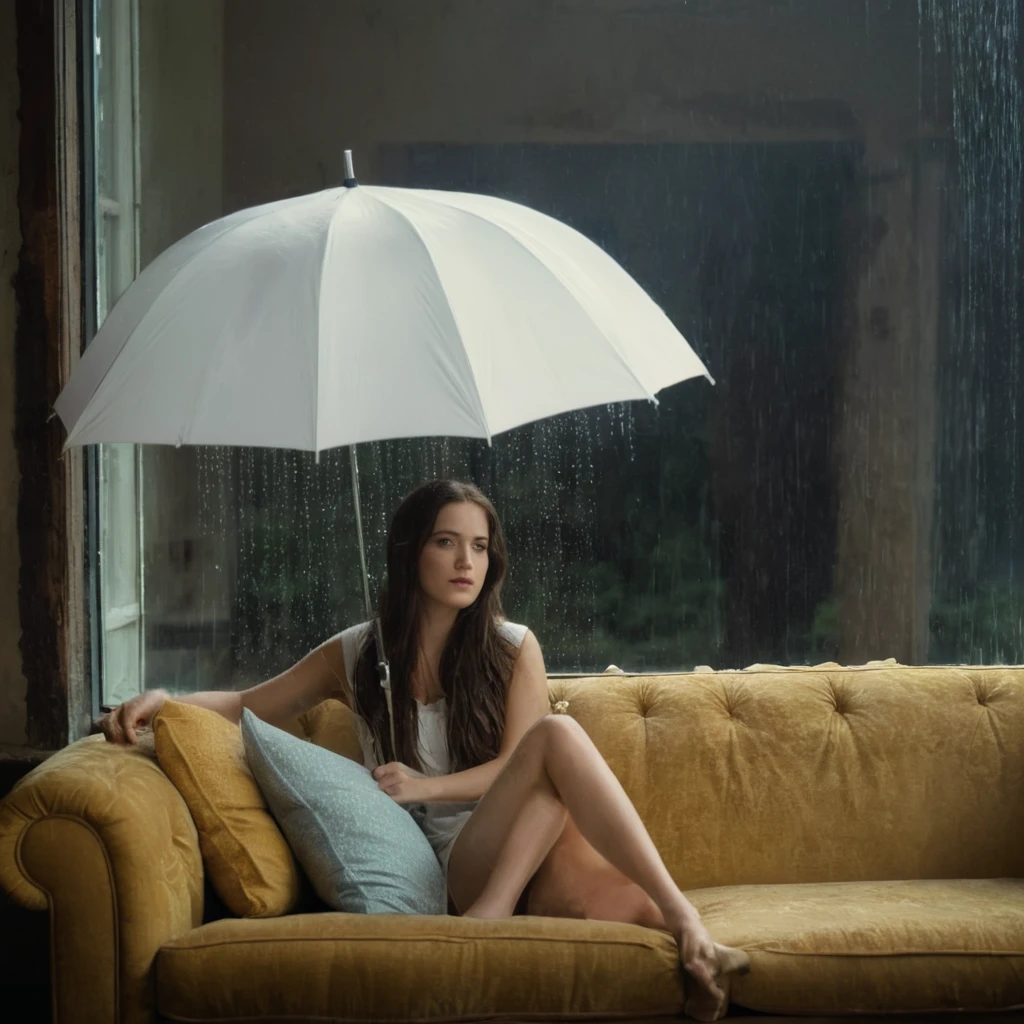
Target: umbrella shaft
(383,669)
(359,531)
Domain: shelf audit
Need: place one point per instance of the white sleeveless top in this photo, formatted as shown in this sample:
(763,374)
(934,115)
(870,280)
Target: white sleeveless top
(440,822)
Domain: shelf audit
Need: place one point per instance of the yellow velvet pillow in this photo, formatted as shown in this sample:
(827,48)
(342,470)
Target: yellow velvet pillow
(330,724)
(244,853)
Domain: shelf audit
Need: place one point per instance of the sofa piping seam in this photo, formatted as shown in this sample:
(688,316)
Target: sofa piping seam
(450,939)
(947,1012)
(782,669)
(887,954)
(27,823)
(466,1018)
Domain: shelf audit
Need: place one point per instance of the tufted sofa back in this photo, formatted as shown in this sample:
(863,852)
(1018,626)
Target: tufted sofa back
(806,775)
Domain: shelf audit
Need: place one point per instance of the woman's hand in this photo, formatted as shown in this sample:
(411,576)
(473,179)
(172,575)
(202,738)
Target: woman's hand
(120,724)
(402,783)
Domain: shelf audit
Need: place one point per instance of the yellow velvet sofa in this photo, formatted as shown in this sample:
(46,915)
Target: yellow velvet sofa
(857,830)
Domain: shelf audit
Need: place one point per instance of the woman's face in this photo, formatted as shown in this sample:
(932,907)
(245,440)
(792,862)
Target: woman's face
(454,560)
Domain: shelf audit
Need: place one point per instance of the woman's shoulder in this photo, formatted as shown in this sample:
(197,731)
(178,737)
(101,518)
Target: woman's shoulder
(351,641)
(513,632)
(351,638)
(356,632)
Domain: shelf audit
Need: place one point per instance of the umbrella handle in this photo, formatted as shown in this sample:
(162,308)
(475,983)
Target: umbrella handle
(384,672)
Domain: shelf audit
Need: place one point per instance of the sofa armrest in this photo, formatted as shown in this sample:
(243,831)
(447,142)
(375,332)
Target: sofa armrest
(98,834)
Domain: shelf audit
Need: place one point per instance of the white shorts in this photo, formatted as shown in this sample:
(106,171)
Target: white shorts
(443,846)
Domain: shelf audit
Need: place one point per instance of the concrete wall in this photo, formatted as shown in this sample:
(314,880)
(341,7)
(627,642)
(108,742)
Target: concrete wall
(572,71)
(12,682)
(181,54)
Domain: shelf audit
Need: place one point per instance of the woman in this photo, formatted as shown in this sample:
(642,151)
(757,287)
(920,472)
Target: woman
(512,799)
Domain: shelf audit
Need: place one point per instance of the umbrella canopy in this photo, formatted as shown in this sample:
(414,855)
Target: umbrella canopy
(365,313)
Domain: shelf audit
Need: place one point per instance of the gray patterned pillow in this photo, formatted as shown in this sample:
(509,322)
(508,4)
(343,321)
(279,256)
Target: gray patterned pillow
(362,852)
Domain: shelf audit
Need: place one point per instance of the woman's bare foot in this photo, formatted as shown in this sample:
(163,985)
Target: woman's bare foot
(708,966)
(708,1006)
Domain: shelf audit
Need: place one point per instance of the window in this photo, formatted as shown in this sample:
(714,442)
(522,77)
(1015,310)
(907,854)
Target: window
(824,197)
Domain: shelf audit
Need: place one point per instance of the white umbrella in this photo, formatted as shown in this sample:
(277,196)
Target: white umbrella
(366,313)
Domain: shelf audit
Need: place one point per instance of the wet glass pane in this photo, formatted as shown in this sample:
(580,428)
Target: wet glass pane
(824,197)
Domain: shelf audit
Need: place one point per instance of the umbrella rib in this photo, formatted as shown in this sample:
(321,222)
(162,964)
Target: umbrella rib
(319,318)
(522,245)
(426,248)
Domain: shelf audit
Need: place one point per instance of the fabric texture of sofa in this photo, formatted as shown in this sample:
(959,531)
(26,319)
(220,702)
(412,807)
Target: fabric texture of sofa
(856,830)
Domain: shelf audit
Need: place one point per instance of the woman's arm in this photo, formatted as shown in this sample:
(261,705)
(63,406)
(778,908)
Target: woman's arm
(319,675)
(527,702)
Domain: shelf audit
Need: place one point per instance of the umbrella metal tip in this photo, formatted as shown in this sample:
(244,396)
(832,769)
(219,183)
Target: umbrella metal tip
(350,174)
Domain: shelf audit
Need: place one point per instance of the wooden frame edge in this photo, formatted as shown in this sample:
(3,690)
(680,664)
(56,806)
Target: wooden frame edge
(48,341)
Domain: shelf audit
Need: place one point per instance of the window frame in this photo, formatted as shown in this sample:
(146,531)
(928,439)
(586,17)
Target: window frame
(118,210)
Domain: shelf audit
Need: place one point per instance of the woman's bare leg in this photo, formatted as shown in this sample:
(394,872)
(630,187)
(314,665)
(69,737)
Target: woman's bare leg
(488,872)
(556,768)
(576,881)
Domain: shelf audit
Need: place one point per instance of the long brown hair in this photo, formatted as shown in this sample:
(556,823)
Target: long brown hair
(477,660)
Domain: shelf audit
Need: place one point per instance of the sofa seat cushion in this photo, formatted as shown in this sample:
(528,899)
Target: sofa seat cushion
(859,947)
(335,966)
